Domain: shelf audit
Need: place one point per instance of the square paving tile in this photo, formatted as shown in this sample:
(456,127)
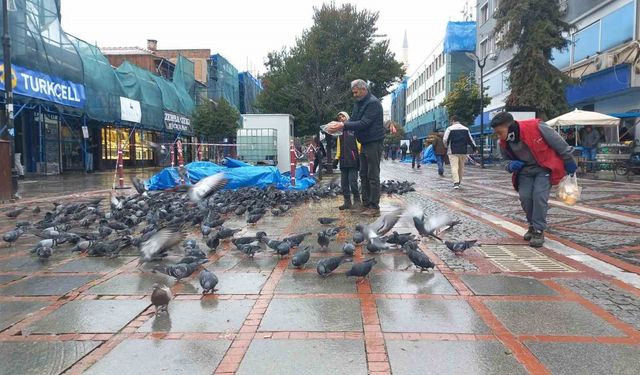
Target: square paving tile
(471,357)
(308,357)
(131,284)
(421,315)
(42,357)
(93,264)
(293,282)
(46,285)
(501,285)
(31,263)
(230,283)
(9,278)
(96,316)
(153,357)
(410,283)
(313,314)
(12,312)
(208,315)
(550,318)
(391,261)
(587,358)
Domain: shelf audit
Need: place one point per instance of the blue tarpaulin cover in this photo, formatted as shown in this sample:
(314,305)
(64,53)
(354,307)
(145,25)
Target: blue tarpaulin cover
(460,37)
(239,176)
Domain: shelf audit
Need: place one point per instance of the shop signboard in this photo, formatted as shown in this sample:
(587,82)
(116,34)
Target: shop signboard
(176,122)
(39,85)
(130,110)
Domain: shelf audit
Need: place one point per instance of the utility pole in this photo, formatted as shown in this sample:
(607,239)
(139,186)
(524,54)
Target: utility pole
(481,64)
(8,94)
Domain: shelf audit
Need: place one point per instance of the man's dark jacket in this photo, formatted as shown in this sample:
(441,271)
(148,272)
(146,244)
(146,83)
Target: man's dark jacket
(366,120)
(415,146)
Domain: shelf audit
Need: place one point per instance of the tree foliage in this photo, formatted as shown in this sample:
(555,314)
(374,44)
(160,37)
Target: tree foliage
(216,121)
(534,28)
(393,138)
(311,79)
(464,100)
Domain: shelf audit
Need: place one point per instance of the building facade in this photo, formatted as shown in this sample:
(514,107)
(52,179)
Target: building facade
(429,84)
(223,81)
(602,55)
(249,89)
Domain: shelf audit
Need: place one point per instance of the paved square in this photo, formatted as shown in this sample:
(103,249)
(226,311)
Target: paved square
(293,282)
(12,312)
(208,315)
(30,263)
(93,264)
(230,283)
(44,357)
(260,262)
(9,278)
(131,284)
(97,316)
(410,283)
(500,285)
(153,357)
(46,285)
(308,357)
(421,315)
(396,262)
(313,314)
(550,318)
(587,358)
(451,357)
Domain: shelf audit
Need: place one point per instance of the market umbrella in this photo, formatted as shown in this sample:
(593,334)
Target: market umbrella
(579,117)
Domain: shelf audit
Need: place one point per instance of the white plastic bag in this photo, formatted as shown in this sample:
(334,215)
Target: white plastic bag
(568,191)
(325,127)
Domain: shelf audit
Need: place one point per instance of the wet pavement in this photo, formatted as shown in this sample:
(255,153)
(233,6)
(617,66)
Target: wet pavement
(570,307)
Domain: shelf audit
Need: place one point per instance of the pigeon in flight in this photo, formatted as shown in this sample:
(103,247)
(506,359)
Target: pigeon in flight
(159,243)
(207,186)
(430,226)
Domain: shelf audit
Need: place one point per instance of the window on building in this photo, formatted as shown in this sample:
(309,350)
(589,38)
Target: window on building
(110,138)
(484,13)
(617,27)
(142,149)
(586,42)
(483,48)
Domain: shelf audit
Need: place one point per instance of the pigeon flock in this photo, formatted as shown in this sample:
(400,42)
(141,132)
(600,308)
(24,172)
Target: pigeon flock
(155,224)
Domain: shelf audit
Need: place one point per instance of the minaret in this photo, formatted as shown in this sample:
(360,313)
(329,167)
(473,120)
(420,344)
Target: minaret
(405,52)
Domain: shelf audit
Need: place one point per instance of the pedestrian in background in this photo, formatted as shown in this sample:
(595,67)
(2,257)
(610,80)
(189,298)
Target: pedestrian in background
(415,147)
(538,158)
(457,138)
(439,151)
(394,152)
(319,154)
(403,151)
(348,157)
(590,140)
(367,122)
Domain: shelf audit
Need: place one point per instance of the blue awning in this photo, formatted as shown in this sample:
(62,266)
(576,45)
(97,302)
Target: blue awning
(625,114)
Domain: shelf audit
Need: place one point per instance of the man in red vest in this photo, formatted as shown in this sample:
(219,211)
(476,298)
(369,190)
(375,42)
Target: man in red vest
(538,158)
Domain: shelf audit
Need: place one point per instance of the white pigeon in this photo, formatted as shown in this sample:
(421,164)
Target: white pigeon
(206,187)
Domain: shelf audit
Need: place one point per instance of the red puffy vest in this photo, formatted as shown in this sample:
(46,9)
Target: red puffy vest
(545,156)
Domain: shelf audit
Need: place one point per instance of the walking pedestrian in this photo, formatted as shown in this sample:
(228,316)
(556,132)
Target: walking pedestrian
(538,158)
(439,150)
(394,152)
(319,154)
(590,140)
(387,151)
(403,151)
(348,156)
(367,122)
(457,137)
(416,150)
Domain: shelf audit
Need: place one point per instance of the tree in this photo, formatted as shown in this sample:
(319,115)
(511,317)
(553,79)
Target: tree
(311,79)
(216,121)
(534,28)
(464,100)
(393,138)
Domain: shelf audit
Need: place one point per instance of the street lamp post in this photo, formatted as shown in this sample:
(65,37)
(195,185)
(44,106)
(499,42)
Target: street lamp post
(481,64)
(8,91)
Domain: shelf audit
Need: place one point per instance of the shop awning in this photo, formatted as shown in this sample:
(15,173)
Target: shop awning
(625,114)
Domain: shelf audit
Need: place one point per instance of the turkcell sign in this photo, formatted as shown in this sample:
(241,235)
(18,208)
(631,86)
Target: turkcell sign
(42,86)
(174,121)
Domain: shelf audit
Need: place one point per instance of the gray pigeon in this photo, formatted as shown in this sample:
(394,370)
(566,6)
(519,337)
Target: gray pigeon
(283,249)
(349,249)
(160,298)
(327,220)
(296,239)
(358,237)
(300,258)
(323,240)
(44,252)
(376,245)
(159,243)
(208,281)
(362,269)
(328,265)
(13,235)
(179,271)
(459,247)
(430,226)
(420,259)
(15,212)
(213,242)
